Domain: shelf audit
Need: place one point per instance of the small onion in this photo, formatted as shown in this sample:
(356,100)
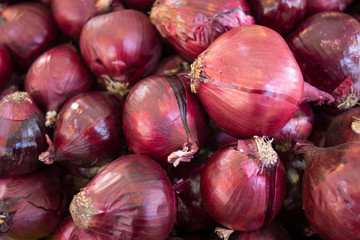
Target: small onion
(131,198)
(317,6)
(87,132)
(120,54)
(31,206)
(56,76)
(248,81)
(327,48)
(331,189)
(22,135)
(27,30)
(243,185)
(164,120)
(198,22)
(6,67)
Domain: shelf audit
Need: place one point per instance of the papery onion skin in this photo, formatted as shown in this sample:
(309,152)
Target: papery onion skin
(198,22)
(120,54)
(131,198)
(327,48)
(22,134)
(238,191)
(331,189)
(317,6)
(280,15)
(6,67)
(241,101)
(27,30)
(154,121)
(56,76)
(88,131)
(36,204)
(272,231)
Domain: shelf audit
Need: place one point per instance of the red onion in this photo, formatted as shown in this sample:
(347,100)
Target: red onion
(279,15)
(242,101)
(87,132)
(131,198)
(243,185)
(64,230)
(164,120)
(5,67)
(317,6)
(273,231)
(56,76)
(72,15)
(174,64)
(331,189)
(27,30)
(327,48)
(141,5)
(120,54)
(31,206)
(22,135)
(198,22)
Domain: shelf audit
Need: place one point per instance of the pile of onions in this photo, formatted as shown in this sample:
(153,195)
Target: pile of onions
(72,15)
(198,22)
(326,47)
(120,54)
(243,184)
(279,15)
(27,30)
(131,198)
(55,77)
(164,120)
(22,135)
(331,189)
(87,132)
(31,206)
(6,67)
(248,81)
(317,6)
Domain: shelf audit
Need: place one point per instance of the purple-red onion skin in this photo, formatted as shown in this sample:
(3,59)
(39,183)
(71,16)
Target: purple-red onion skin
(279,15)
(327,48)
(22,135)
(121,45)
(317,6)
(56,76)
(237,192)
(198,22)
(331,189)
(272,231)
(131,198)
(174,64)
(64,230)
(153,123)
(27,31)
(6,67)
(39,208)
(241,101)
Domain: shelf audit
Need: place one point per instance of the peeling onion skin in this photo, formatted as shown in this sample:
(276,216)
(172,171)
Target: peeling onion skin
(279,15)
(36,203)
(131,198)
(120,54)
(317,6)
(327,48)
(331,189)
(248,81)
(6,68)
(198,22)
(237,191)
(22,134)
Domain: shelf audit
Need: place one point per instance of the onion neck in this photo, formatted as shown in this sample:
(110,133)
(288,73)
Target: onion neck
(312,94)
(224,233)
(306,150)
(115,87)
(48,157)
(17,97)
(50,118)
(355,125)
(195,73)
(184,155)
(266,154)
(8,208)
(103,6)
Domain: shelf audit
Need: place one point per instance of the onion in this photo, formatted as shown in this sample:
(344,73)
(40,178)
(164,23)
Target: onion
(64,230)
(317,6)
(31,206)
(22,135)
(27,30)
(272,231)
(248,82)
(164,120)
(279,15)
(326,47)
(174,64)
(244,184)
(87,132)
(131,198)
(198,22)
(120,54)
(56,76)
(141,5)
(5,67)
(72,15)
(331,189)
